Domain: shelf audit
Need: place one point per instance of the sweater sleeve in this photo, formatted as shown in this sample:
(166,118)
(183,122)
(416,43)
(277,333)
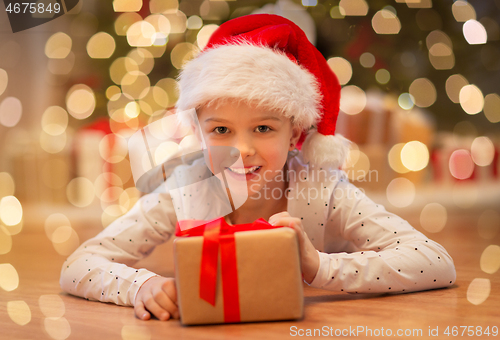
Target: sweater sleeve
(100,268)
(388,254)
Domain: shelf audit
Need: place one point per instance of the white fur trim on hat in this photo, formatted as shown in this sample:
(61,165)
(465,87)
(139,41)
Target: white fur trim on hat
(325,150)
(252,73)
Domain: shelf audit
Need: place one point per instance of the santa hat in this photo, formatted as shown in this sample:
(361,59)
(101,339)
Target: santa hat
(268,60)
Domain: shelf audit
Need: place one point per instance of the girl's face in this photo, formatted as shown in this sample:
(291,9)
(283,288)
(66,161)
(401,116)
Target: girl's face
(263,138)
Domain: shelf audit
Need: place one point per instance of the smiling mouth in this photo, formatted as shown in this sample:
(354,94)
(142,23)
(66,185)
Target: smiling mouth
(244,171)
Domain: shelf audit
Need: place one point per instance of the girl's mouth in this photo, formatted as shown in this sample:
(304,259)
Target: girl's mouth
(244,171)
(247,172)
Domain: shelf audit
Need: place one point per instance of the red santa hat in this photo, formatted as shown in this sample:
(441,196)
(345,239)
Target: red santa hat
(268,60)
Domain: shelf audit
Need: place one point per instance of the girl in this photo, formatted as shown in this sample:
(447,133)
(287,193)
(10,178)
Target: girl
(261,87)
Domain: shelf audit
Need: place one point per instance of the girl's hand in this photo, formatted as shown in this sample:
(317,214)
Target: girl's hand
(309,257)
(157,296)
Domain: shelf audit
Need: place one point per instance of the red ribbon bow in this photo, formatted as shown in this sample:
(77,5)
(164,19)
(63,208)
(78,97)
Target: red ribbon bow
(218,233)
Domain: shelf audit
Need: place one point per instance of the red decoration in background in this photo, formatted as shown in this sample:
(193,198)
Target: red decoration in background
(218,233)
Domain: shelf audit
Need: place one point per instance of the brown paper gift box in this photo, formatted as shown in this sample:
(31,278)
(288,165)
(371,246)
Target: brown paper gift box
(269,278)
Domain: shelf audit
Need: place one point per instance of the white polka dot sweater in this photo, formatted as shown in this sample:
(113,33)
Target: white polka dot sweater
(362,247)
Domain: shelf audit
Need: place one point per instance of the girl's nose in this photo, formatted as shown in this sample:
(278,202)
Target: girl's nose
(245,146)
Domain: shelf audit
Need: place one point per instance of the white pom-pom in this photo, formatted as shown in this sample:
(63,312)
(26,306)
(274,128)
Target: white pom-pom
(325,150)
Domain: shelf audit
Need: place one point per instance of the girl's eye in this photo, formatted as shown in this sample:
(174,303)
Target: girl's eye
(220,130)
(263,128)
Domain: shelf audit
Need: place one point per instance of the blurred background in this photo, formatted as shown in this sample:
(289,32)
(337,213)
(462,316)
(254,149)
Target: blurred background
(420,101)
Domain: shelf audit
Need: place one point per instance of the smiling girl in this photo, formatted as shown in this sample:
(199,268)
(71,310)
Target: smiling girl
(261,87)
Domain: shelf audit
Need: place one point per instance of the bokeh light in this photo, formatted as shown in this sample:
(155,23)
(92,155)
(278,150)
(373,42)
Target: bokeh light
(58,46)
(394,157)
(135,84)
(4,80)
(353,7)
(463,11)
(214,10)
(120,67)
(352,100)
(80,192)
(164,151)
(80,101)
(492,107)
(11,211)
(101,46)
(490,259)
(433,217)
(111,213)
(124,21)
(143,58)
(65,240)
(423,92)
(113,148)
(415,155)
(488,224)
(5,240)
(461,165)
(19,312)
(386,22)
(482,151)
(178,21)
(204,35)
(127,5)
(194,22)
(163,6)
(53,222)
(182,53)
(337,13)
(454,84)
(357,165)
(112,91)
(133,332)
(406,101)
(53,144)
(400,192)
(129,197)
(52,306)
(471,99)
(367,60)
(105,181)
(382,76)
(54,120)
(11,111)
(342,69)
(7,185)
(9,279)
(57,328)
(141,33)
(475,33)
(478,291)
(440,50)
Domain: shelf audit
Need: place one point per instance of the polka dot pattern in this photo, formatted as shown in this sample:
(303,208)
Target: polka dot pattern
(362,247)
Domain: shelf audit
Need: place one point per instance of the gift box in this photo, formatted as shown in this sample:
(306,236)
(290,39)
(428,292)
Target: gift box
(240,273)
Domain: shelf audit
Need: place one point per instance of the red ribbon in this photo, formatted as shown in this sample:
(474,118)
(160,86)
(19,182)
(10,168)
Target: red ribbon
(217,233)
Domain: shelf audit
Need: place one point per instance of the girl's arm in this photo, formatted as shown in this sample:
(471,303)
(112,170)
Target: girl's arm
(100,268)
(388,254)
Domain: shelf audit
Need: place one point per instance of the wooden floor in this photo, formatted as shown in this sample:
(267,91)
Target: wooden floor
(38,266)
